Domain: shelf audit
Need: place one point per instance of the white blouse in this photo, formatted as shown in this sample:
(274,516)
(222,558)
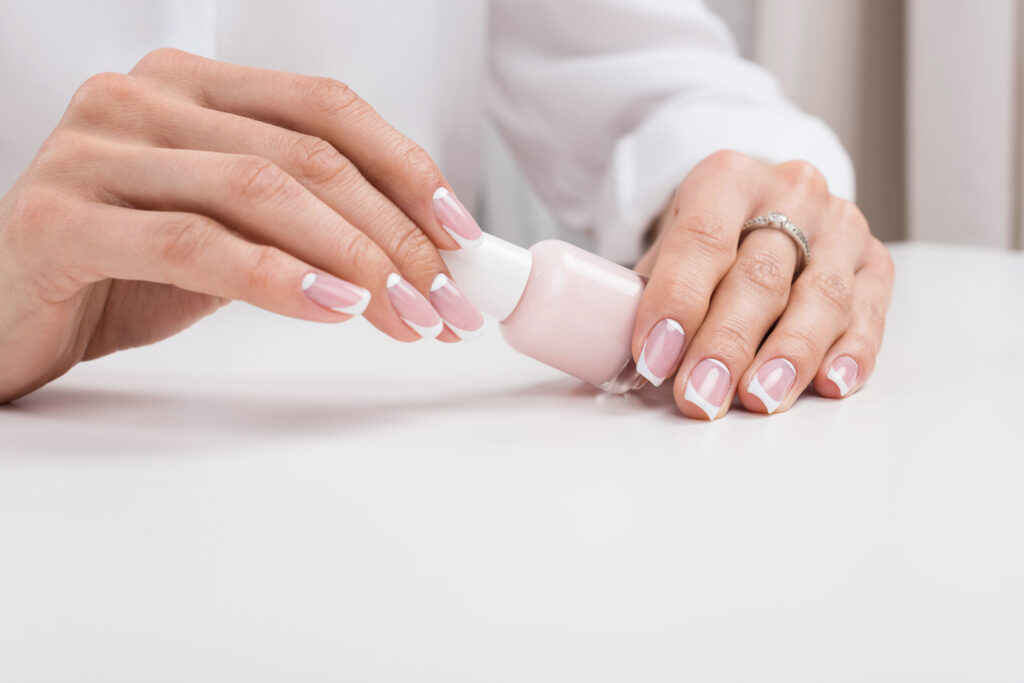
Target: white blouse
(605,104)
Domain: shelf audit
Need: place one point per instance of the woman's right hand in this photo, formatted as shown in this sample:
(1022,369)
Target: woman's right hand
(164,193)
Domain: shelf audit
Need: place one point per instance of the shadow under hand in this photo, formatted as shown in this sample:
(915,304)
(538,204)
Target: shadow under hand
(137,420)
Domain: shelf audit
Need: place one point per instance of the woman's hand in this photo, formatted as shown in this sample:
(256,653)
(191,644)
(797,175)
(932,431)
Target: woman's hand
(721,315)
(164,193)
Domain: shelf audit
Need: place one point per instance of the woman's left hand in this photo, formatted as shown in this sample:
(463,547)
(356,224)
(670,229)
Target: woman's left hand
(722,315)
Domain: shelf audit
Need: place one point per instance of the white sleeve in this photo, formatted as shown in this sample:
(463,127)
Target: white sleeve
(608,104)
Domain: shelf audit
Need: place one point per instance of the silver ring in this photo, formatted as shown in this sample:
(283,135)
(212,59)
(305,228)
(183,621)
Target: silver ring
(780,221)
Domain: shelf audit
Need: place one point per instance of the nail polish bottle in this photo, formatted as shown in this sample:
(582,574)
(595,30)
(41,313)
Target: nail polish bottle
(558,304)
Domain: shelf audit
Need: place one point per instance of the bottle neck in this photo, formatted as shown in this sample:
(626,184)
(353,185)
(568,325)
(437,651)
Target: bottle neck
(493,275)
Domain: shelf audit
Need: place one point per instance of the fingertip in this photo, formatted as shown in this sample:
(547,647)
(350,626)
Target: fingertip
(700,400)
(839,377)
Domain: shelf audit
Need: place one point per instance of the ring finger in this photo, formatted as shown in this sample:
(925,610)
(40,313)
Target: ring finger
(817,314)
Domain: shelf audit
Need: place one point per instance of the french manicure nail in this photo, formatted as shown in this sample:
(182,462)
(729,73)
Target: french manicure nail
(456,221)
(772,382)
(707,386)
(458,312)
(335,294)
(413,308)
(843,373)
(661,351)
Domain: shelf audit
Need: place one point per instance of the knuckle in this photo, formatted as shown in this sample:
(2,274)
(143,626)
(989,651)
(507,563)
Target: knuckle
(183,239)
(317,160)
(410,247)
(104,91)
(800,343)
(264,267)
(418,164)
(684,294)
(163,59)
(63,146)
(726,161)
(709,231)
(860,345)
(871,311)
(803,177)
(884,258)
(257,179)
(334,98)
(356,250)
(834,287)
(850,217)
(731,339)
(765,272)
(34,213)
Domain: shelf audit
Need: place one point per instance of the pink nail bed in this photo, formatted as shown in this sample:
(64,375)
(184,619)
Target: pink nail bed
(661,351)
(707,386)
(843,373)
(335,294)
(461,316)
(772,382)
(456,221)
(413,308)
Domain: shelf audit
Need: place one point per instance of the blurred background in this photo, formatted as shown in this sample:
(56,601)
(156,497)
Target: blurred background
(927,96)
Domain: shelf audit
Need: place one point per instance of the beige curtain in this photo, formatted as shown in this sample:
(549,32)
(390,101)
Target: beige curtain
(927,95)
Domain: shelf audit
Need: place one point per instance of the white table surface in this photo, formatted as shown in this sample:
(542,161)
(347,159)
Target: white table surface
(262,499)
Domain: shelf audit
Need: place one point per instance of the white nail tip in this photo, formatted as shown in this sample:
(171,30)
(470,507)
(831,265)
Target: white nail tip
(641,367)
(673,325)
(440,281)
(430,332)
(755,388)
(357,308)
(307,281)
(440,192)
(462,241)
(836,379)
(694,397)
(394,279)
(466,335)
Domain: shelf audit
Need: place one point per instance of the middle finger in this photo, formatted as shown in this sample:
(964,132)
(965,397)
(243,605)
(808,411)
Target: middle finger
(746,303)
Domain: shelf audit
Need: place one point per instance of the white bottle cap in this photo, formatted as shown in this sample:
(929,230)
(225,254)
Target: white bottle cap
(492,275)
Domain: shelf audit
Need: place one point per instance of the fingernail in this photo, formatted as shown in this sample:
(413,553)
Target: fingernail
(772,382)
(843,374)
(413,308)
(456,220)
(335,294)
(661,351)
(458,312)
(707,386)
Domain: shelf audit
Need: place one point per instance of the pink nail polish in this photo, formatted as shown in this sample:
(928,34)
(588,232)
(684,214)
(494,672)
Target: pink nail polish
(558,304)
(661,351)
(772,382)
(707,386)
(456,310)
(335,294)
(456,220)
(413,308)
(843,373)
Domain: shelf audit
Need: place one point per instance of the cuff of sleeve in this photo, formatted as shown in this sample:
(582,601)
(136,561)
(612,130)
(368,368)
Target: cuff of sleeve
(649,163)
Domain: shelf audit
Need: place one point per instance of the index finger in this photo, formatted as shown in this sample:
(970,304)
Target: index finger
(695,250)
(328,109)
